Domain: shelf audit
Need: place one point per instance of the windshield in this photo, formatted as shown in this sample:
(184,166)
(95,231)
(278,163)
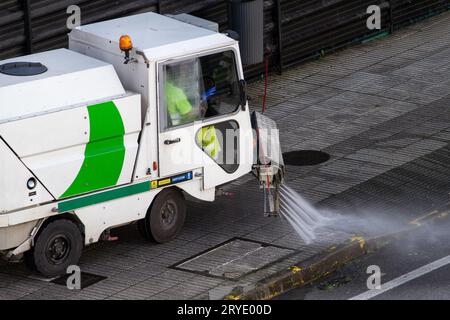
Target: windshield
(199,88)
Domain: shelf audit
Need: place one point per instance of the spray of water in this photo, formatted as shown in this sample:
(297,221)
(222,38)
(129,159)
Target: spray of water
(369,220)
(301,215)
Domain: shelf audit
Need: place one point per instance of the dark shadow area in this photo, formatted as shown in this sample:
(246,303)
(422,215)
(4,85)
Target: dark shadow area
(301,158)
(87,279)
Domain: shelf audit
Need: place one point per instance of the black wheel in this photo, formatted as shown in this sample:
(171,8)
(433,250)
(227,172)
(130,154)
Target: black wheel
(58,246)
(165,217)
(141,225)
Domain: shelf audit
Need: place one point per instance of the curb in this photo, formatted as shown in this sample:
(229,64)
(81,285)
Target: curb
(327,262)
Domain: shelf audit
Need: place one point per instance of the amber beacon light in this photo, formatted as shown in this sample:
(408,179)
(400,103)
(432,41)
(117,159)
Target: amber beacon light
(126,45)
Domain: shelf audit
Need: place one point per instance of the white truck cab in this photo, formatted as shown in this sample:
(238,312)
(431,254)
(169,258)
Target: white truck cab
(114,130)
(196,58)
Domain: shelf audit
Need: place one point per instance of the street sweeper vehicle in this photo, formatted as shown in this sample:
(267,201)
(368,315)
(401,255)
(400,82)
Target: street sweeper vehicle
(117,129)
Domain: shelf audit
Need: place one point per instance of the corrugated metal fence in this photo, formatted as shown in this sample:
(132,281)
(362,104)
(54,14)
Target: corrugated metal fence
(295,30)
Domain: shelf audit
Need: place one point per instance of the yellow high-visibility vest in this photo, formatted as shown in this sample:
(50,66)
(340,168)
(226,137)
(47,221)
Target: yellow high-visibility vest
(207,138)
(178,104)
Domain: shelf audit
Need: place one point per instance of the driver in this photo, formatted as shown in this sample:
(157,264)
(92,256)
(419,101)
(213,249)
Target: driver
(178,105)
(180,111)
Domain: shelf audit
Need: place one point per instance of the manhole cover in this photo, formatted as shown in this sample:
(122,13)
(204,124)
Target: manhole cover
(87,280)
(305,158)
(234,259)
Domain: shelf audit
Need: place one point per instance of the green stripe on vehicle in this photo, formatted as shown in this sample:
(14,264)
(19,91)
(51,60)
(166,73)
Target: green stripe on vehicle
(90,200)
(105,152)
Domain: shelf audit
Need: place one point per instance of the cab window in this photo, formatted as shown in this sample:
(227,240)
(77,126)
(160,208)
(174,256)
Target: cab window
(198,88)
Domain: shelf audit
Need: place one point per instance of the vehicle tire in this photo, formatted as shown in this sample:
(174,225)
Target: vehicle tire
(28,260)
(142,228)
(58,246)
(165,217)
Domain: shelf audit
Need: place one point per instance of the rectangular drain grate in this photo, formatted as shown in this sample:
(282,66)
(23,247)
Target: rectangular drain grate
(234,259)
(87,279)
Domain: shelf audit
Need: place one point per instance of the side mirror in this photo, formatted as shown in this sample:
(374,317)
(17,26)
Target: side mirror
(243,93)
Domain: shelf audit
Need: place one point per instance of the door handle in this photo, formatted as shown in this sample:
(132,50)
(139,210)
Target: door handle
(169,142)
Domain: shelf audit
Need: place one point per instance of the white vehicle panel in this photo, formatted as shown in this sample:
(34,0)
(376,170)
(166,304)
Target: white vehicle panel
(180,156)
(100,217)
(53,146)
(57,169)
(147,30)
(158,36)
(72,80)
(14,193)
(48,132)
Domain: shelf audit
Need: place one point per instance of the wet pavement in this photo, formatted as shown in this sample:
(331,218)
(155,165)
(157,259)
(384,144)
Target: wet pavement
(395,262)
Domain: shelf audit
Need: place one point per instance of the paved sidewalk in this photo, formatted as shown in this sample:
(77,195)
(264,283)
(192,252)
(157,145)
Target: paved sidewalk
(380,109)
